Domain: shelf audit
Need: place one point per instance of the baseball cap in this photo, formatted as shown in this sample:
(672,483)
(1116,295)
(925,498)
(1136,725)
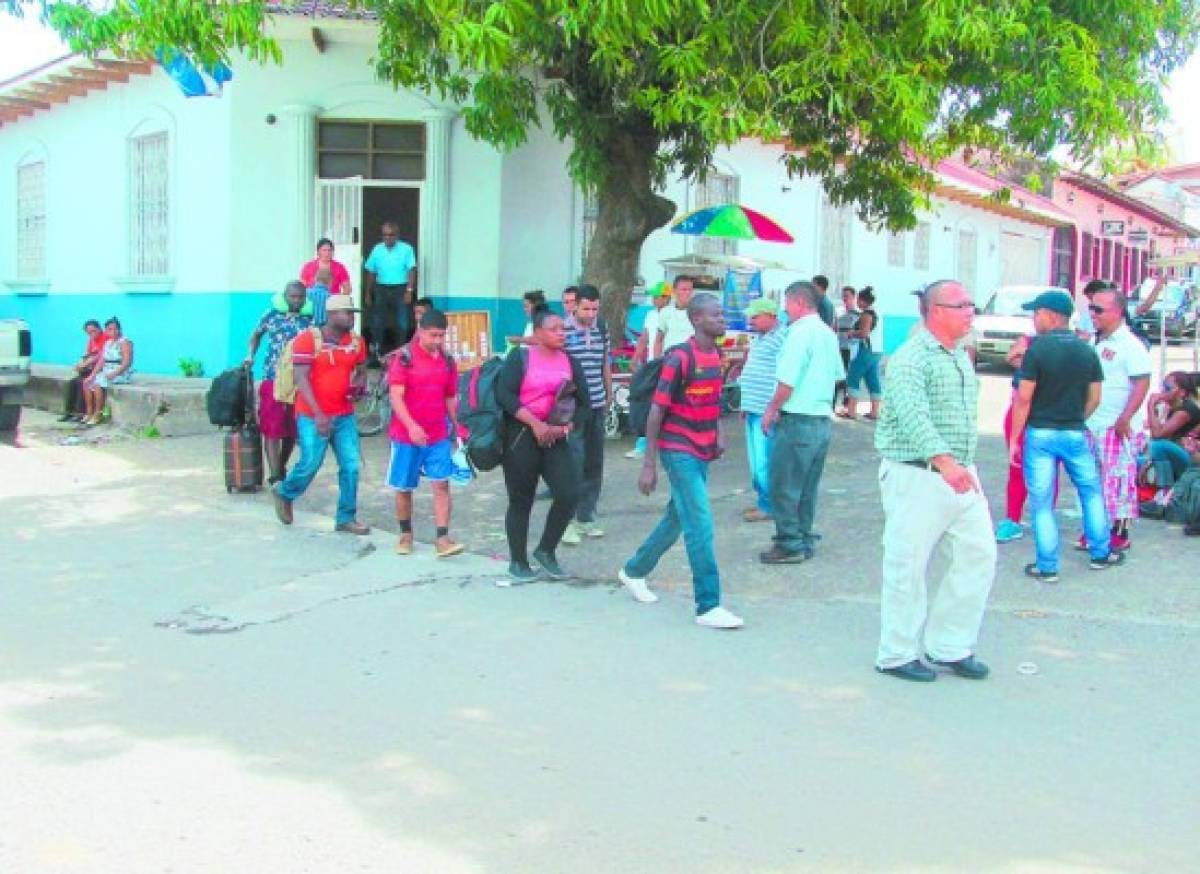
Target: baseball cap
(661,289)
(1055,301)
(761,306)
(341,303)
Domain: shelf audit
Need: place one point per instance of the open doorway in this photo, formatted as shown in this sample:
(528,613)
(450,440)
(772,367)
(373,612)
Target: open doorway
(390,204)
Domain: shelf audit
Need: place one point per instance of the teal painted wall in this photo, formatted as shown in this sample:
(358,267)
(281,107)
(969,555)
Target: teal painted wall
(212,327)
(896,330)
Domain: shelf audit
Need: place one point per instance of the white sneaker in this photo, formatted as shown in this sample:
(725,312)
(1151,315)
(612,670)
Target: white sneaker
(634,453)
(572,536)
(719,617)
(637,587)
(591,529)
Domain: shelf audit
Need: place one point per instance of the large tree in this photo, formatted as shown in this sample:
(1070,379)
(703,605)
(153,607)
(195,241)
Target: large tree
(867,94)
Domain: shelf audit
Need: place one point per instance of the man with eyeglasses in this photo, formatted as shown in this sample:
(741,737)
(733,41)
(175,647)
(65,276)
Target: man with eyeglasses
(1117,427)
(932,501)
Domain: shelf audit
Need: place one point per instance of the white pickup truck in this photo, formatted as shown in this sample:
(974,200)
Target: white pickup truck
(16,346)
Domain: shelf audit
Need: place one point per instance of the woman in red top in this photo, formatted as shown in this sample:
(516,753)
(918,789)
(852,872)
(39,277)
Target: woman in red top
(337,270)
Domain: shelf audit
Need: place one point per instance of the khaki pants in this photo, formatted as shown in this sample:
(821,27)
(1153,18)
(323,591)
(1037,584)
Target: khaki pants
(923,514)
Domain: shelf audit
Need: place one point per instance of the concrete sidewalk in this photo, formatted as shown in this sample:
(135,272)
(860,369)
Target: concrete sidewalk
(186,685)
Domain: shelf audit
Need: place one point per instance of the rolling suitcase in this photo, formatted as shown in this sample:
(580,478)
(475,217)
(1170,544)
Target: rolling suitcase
(243,450)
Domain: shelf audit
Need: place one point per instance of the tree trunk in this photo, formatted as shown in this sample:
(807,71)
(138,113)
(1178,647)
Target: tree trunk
(629,211)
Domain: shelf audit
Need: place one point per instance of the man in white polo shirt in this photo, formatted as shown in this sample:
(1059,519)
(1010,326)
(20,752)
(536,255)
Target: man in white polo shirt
(1117,426)
(674,326)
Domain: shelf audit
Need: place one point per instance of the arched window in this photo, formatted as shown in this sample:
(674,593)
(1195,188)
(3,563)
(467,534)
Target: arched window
(149,200)
(31,217)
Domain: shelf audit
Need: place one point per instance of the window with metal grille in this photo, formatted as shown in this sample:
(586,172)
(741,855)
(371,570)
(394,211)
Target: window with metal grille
(968,259)
(717,189)
(149,208)
(591,213)
(1085,261)
(1106,259)
(1119,265)
(371,149)
(895,250)
(921,246)
(31,221)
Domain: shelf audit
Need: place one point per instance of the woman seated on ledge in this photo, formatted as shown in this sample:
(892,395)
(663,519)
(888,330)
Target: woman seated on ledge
(1172,416)
(113,367)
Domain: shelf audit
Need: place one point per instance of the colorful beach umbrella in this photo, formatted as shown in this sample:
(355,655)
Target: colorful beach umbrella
(731,221)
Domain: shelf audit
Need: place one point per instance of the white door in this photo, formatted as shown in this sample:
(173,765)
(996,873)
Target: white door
(339,217)
(1022,259)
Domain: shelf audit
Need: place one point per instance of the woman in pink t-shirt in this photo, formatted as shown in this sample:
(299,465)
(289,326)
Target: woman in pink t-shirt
(543,393)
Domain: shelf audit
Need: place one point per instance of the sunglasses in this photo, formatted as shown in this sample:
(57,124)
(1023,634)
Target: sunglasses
(957,306)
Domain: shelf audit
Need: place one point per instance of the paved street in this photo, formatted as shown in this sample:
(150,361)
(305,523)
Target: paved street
(187,686)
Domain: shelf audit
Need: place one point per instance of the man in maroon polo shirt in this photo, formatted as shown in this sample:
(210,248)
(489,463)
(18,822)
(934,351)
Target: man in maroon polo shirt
(684,430)
(423,384)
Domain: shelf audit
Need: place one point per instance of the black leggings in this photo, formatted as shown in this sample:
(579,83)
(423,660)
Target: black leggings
(524,462)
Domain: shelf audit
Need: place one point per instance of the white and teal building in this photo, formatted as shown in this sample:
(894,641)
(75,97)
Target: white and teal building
(182,216)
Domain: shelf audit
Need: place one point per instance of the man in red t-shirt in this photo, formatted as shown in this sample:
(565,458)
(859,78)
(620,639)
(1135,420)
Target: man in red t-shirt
(684,429)
(326,372)
(423,382)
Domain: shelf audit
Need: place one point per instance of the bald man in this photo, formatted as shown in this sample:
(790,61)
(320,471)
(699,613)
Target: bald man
(932,500)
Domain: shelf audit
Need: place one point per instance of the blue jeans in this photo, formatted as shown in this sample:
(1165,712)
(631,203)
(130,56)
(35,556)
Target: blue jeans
(1044,449)
(1170,461)
(688,512)
(344,436)
(864,368)
(758,454)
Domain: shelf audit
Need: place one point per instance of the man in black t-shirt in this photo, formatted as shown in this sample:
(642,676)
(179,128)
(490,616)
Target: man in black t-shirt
(1060,387)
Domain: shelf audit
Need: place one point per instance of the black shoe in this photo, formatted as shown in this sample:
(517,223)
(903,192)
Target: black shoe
(1035,573)
(283,507)
(521,573)
(915,671)
(969,668)
(67,417)
(778,555)
(1111,560)
(550,565)
(1192,530)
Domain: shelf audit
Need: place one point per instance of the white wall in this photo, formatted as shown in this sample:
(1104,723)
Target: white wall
(796,204)
(339,83)
(538,218)
(84,143)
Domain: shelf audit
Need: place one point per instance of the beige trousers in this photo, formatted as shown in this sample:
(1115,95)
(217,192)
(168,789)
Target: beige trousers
(924,515)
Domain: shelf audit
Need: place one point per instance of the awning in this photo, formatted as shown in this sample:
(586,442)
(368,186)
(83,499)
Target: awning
(971,187)
(60,80)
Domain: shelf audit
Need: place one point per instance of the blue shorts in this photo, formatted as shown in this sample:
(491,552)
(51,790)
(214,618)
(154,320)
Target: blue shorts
(409,463)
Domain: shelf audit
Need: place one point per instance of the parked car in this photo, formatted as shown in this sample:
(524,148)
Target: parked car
(1176,306)
(1002,321)
(16,346)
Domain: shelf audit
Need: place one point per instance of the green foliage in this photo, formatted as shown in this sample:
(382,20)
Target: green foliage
(869,94)
(192,368)
(150,432)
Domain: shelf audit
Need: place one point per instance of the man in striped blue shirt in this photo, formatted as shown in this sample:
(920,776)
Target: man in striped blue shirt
(757,384)
(588,343)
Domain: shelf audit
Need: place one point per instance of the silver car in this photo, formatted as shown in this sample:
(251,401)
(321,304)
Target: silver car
(1002,321)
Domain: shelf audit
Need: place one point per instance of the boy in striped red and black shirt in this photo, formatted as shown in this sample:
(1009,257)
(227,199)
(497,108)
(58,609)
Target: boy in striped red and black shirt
(684,429)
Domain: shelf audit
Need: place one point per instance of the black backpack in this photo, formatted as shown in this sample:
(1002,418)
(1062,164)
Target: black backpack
(480,414)
(643,385)
(227,398)
(1184,505)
